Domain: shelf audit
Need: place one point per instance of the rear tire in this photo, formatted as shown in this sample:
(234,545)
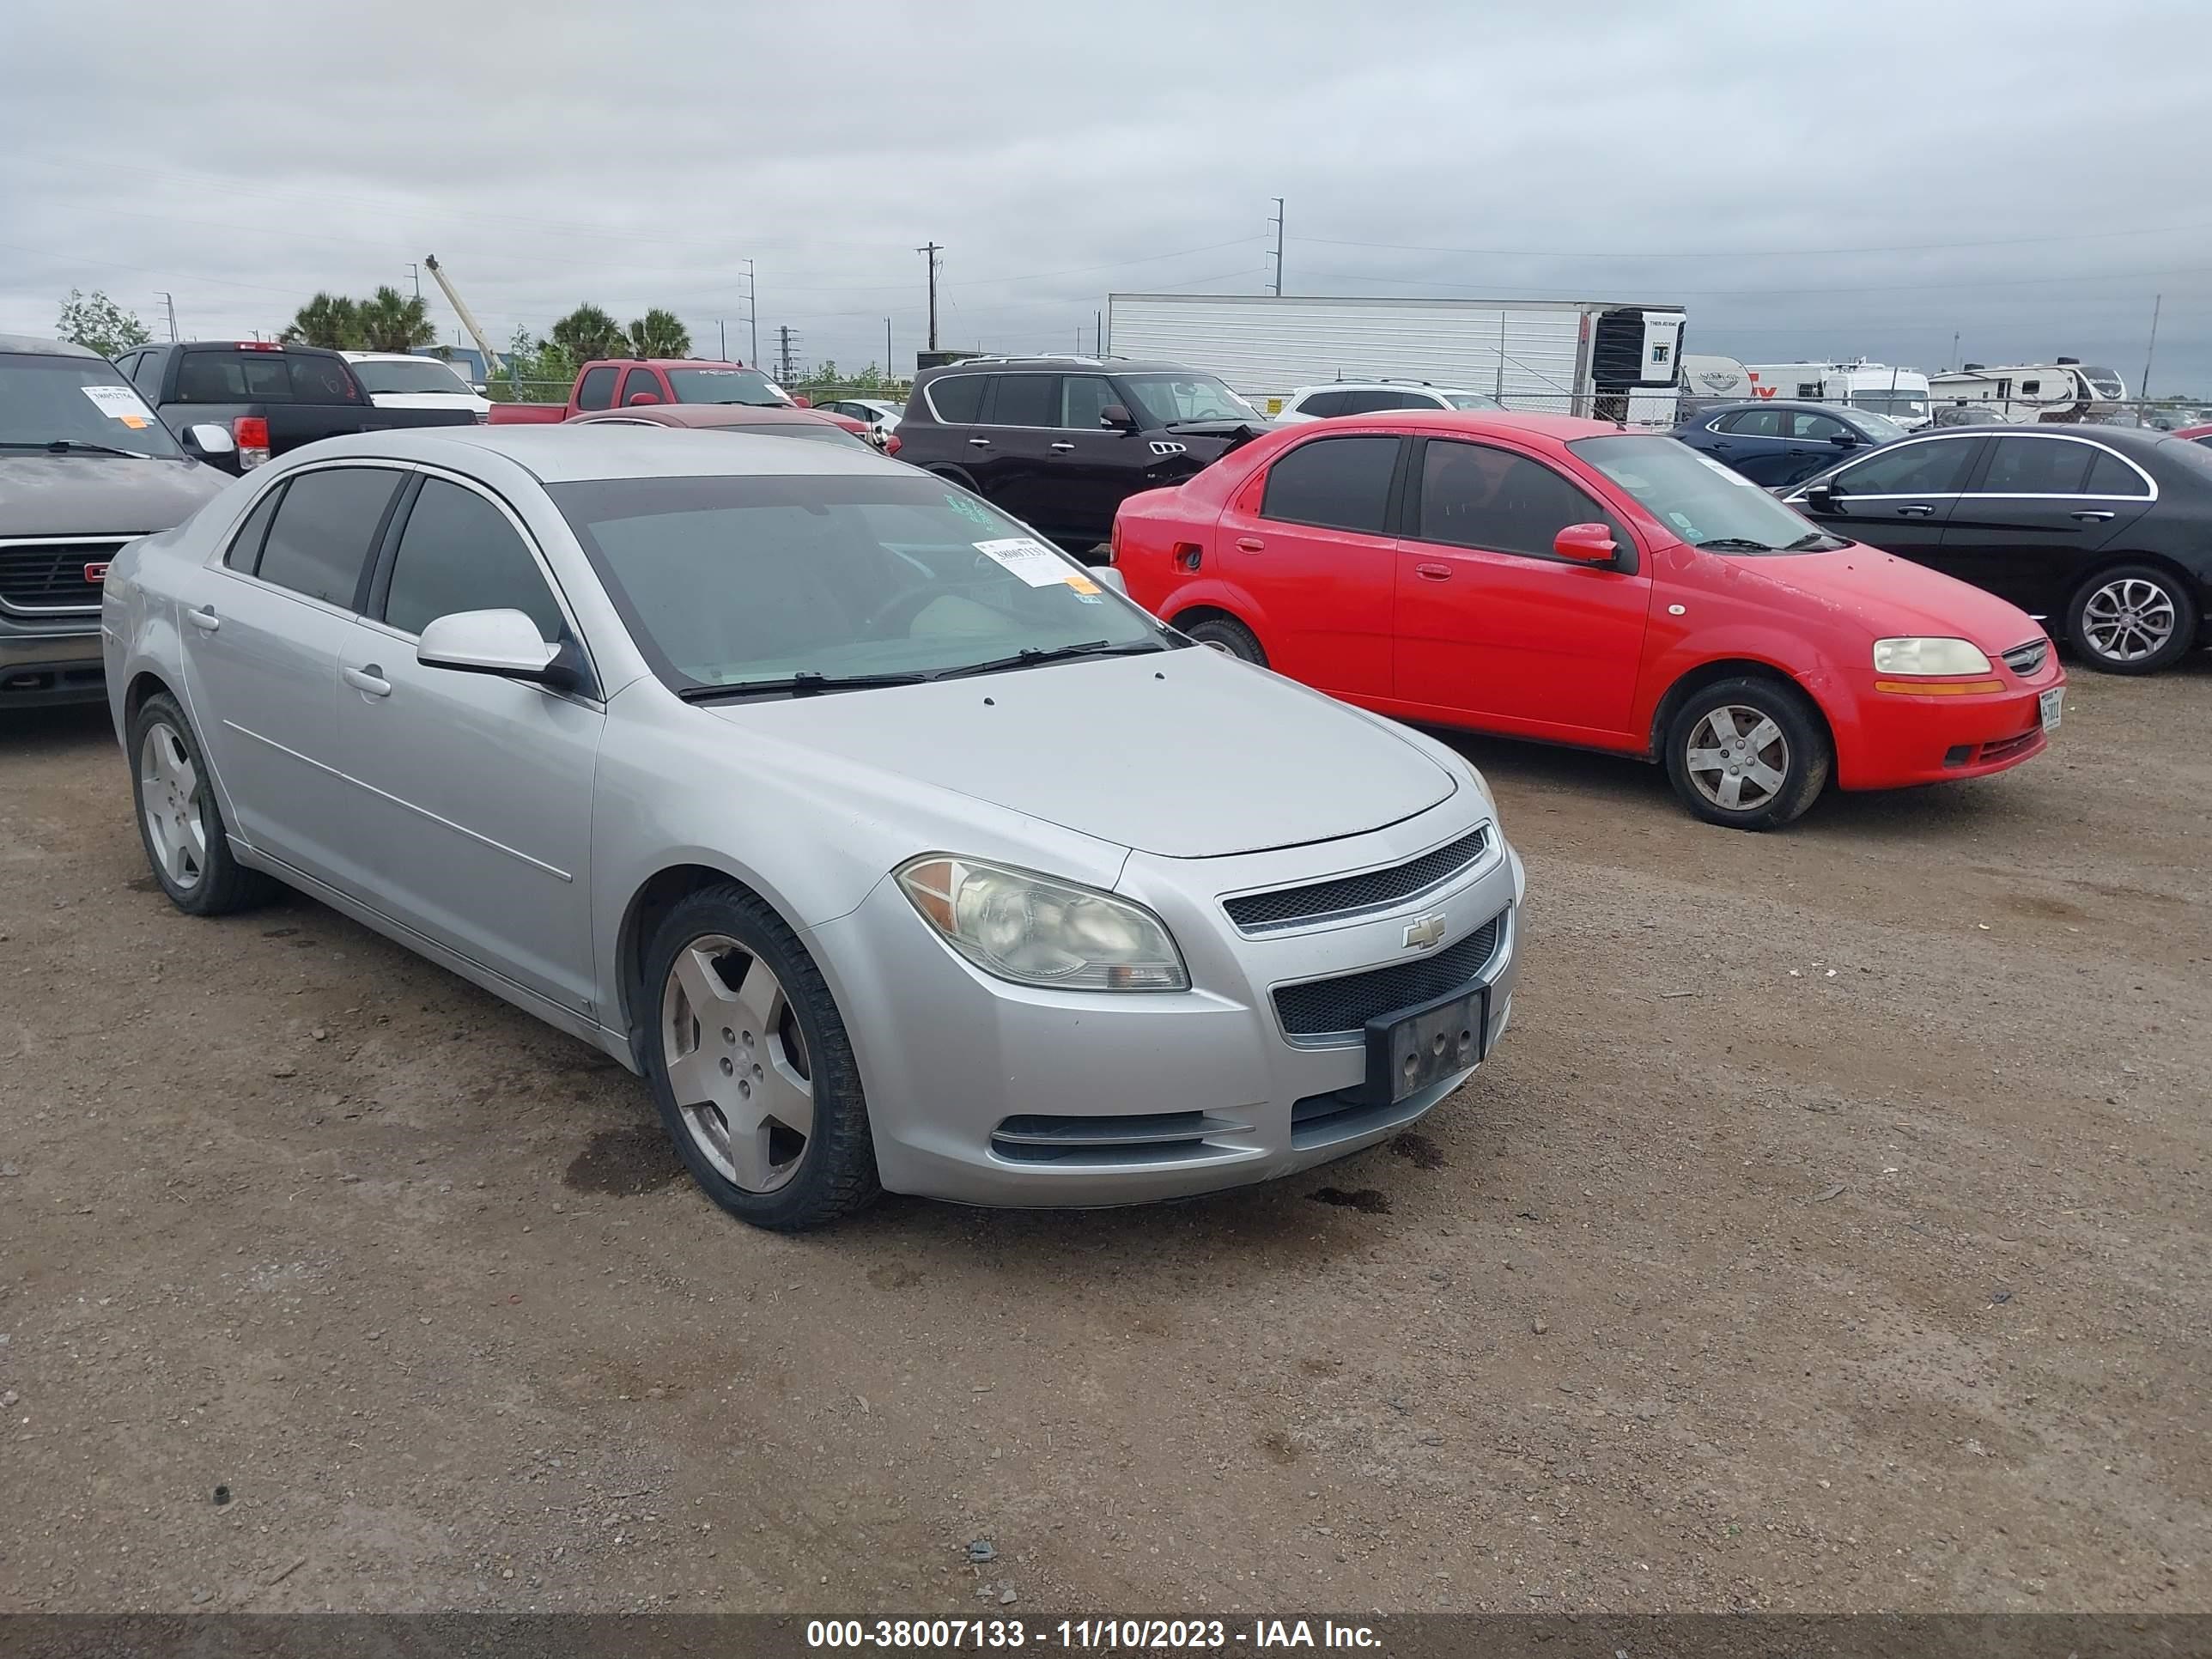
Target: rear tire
(179,825)
(1227,636)
(1748,754)
(751,1067)
(2136,608)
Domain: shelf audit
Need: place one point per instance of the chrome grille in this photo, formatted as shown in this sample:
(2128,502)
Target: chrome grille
(50,576)
(1325,1007)
(1288,907)
(2025,660)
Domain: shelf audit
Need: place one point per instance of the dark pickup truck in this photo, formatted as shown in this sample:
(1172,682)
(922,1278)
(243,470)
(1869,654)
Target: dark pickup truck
(272,398)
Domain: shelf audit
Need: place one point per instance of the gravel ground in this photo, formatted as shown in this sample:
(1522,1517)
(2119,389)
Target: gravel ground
(1830,1233)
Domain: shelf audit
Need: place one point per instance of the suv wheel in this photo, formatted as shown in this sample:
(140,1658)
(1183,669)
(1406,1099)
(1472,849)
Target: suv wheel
(1750,754)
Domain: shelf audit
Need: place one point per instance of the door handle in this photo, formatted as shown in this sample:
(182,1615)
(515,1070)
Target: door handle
(1063,445)
(1250,544)
(370,680)
(1433,572)
(1918,510)
(206,621)
(980,443)
(2092,517)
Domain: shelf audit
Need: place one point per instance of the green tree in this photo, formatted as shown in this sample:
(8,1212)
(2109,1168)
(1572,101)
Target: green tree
(332,321)
(588,332)
(659,333)
(392,321)
(98,324)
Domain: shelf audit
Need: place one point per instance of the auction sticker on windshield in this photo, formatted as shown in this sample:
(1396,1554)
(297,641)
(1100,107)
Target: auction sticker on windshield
(1034,563)
(119,403)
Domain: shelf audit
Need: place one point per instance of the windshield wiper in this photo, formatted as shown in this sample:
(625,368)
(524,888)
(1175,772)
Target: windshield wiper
(1812,543)
(67,446)
(1737,544)
(796,685)
(1030,656)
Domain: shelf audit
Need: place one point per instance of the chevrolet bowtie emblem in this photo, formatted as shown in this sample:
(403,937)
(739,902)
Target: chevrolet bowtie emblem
(1424,931)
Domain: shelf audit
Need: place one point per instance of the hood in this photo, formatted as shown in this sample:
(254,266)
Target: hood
(1185,753)
(1890,596)
(43,495)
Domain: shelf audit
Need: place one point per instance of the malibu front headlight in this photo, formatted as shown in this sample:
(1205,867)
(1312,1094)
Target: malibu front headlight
(1919,656)
(1034,930)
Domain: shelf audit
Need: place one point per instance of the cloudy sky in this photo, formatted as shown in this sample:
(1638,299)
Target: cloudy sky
(1862,179)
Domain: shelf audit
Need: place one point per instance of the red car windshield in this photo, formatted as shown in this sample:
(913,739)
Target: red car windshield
(1700,500)
(725,385)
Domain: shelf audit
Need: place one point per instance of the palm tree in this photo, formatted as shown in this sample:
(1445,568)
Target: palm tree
(659,333)
(588,332)
(332,321)
(395,322)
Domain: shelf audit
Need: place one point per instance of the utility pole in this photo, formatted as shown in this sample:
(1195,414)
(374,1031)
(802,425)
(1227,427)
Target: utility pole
(1954,349)
(888,375)
(2143,390)
(752,314)
(784,334)
(416,271)
(1278,223)
(1099,334)
(170,301)
(931,250)
(721,339)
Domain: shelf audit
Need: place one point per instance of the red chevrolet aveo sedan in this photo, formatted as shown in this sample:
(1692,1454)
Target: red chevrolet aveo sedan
(1544,577)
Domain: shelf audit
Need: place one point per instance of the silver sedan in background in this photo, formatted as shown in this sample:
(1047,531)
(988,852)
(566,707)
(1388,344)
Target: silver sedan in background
(893,847)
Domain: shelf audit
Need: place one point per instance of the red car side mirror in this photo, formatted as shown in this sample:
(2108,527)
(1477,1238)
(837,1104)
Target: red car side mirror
(1585,543)
(800,400)
(637,398)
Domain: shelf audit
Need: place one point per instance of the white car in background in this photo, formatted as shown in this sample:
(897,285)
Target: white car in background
(1320,402)
(399,379)
(883,416)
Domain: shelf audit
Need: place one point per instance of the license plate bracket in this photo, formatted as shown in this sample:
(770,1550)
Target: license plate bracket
(1410,1049)
(2050,708)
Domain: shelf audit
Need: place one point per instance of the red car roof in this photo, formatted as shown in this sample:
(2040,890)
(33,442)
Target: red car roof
(1560,427)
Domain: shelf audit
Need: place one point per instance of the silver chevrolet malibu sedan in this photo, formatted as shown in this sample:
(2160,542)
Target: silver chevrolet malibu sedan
(893,847)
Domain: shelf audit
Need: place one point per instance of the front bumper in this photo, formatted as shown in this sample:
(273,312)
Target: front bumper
(1899,740)
(50,666)
(986,1092)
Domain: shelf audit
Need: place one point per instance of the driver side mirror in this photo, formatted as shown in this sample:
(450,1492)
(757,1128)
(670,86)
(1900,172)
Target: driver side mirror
(1845,439)
(1117,417)
(636,398)
(1586,544)
(501,642)
(1823,498)
(208,440)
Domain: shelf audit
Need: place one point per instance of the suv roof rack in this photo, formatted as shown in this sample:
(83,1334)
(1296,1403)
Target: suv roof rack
(1027,357)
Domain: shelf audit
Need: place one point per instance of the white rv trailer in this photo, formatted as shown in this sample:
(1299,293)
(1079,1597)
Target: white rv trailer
(1616,362)
(1900,393)
(2066,390)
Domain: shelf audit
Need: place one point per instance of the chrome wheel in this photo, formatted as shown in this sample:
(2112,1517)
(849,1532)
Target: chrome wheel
(737,1063)
(1738,758)
(2128,619)
(168,800)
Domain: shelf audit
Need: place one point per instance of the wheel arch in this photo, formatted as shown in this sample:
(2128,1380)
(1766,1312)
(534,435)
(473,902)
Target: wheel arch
(1694,680)
(660,893)
(144,684)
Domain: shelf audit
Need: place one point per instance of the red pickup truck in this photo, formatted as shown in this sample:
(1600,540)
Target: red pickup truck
(658,380)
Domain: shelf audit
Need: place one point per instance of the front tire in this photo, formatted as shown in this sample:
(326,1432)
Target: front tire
(2131,619)
(178,822)
(751,1067)
(1227,636)
(1748,754)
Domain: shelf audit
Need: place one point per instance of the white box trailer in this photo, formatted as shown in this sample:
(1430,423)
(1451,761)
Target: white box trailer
(1616,361)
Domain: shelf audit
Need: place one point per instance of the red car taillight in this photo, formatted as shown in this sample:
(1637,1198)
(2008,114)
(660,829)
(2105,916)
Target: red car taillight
(891,443)
(250,434)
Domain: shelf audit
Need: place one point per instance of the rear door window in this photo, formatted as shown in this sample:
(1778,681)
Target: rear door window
(2037,466)
(1339,483)
(596,389)
(1937,467)
(1472,495)
(957,398)
(1322,405)
(319,538)
(1752,423)
(1023,400)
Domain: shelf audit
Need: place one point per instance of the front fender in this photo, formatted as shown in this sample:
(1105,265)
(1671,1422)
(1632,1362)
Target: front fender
(1783,652)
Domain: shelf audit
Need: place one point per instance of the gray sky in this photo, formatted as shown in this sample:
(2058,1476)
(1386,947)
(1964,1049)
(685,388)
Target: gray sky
(1858,179)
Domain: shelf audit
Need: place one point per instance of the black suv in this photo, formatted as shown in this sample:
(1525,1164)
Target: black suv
(1061,442)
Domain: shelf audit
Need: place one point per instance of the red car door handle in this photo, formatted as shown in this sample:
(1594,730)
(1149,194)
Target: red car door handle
(1433,572)
(1250,543)
(1918,510)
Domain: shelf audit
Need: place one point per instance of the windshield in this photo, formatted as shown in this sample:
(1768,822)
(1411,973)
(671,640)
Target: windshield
(46,399)
(1700,500)
(1866,406)
(426,374)
(723,385)
(727,582)
(1471,400)
(1165,399)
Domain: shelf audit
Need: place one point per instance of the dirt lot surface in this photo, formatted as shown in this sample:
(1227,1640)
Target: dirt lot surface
(1830,1233)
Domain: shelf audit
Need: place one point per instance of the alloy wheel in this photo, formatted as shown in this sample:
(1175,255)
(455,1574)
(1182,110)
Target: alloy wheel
(2128,619)
(1738,758)
(737,1062)
(168,799)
